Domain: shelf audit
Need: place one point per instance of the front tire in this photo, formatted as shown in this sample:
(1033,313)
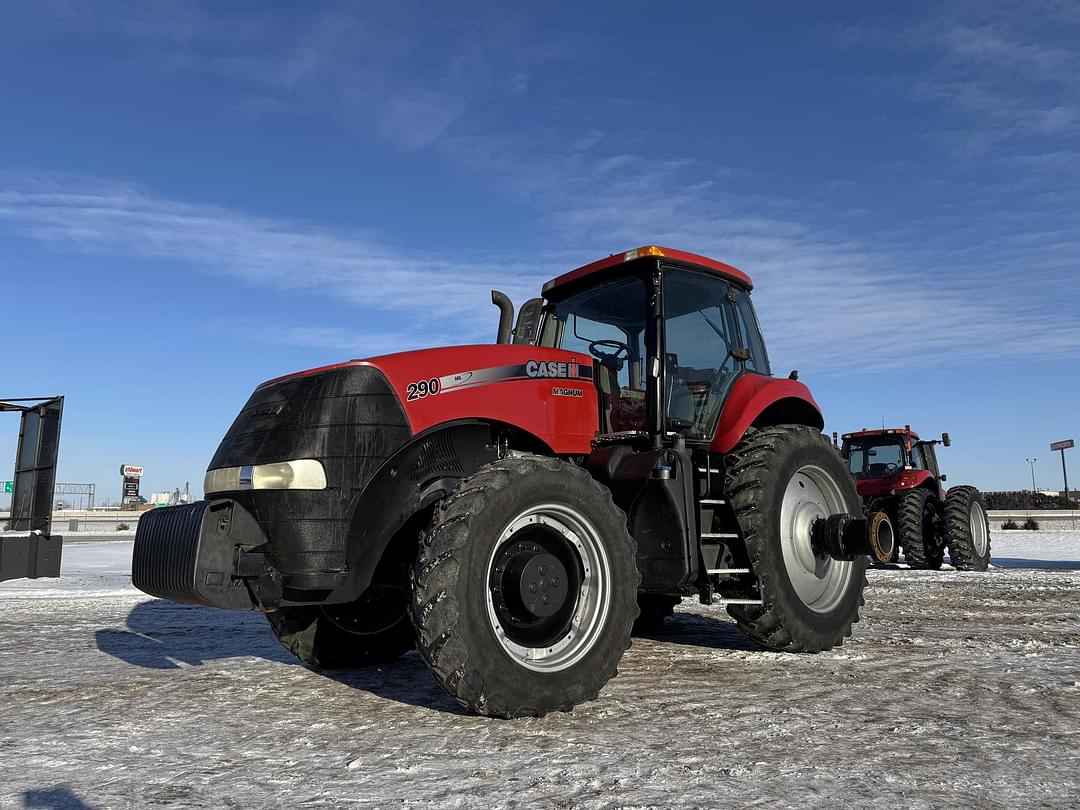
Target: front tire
(779,481)
(967,529)
(525,588)
(918,524)
(375,629)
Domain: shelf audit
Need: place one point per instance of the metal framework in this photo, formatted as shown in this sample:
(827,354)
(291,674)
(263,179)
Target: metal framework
(89,490)
(36,554)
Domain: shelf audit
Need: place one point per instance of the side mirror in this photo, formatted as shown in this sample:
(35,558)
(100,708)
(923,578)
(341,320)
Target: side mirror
(528,321)
(945,440)
(943,477)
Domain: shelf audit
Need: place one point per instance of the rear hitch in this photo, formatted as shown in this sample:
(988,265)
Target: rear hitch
(844,536)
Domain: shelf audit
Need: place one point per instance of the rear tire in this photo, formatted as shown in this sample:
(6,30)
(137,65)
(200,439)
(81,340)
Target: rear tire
(918,524)
(525,588)
(967,529)
(879,504)
(375,629)
(779,480)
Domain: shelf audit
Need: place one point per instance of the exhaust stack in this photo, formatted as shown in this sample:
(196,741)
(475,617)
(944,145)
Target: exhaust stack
(506,315)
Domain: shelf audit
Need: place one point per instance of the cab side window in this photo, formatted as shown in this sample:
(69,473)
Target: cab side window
(750,334)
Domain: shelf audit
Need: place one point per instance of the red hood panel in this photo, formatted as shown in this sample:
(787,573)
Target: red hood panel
(547,392)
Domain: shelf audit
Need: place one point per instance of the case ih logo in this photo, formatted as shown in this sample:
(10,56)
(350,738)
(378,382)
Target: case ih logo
(537,368)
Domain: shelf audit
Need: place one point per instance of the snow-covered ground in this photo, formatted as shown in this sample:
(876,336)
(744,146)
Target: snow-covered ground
(957,688)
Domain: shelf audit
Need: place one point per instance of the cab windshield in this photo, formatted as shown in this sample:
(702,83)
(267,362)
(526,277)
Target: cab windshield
(875,458)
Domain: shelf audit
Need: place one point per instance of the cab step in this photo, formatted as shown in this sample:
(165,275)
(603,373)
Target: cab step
(724,571)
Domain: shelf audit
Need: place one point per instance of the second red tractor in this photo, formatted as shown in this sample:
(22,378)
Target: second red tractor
(896,472)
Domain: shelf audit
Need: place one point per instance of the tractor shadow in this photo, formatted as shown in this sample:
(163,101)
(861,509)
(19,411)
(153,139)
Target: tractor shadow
(1019,562)
(697,630)
(165,635)
(54,798)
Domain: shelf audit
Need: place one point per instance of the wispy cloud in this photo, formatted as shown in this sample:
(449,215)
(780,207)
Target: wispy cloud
(835,290)
(829,302)
(353,343)
(386,70)
(95,216)
(1014,69)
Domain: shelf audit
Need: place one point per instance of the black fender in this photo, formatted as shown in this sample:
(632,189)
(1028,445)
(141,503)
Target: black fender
(409,483)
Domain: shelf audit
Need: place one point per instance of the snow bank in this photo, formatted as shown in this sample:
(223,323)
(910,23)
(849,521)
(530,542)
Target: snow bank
(87,570)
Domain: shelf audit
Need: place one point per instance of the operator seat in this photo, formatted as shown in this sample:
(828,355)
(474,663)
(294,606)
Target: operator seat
(624,412)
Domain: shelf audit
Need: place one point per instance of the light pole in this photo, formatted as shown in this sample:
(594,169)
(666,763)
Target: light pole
(1032,461)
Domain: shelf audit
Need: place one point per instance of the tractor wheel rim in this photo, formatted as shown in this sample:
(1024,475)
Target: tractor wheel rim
(819,581)
(980,537)
(566,632)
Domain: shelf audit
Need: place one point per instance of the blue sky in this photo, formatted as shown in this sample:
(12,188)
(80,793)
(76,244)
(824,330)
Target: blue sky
(195,197)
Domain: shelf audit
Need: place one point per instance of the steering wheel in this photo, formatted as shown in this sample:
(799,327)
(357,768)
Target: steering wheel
(614,359)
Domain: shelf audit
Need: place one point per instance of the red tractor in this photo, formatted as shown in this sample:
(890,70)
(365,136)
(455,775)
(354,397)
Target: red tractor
(510,509)
(896,472)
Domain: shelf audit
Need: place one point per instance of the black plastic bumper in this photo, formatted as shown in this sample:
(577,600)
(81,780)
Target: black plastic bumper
(203,553)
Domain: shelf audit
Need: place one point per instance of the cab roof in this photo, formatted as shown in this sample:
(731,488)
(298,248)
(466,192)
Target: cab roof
(904,431)
(676,256)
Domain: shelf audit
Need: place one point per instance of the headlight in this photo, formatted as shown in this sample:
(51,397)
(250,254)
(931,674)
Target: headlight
(305,473)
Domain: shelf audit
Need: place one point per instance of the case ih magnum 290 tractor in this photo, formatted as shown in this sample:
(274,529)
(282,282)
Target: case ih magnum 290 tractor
(507,508)
(896,472)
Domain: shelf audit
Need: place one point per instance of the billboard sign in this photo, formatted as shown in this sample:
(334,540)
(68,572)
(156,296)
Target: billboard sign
(131,488)
(131,471)
(1065,445)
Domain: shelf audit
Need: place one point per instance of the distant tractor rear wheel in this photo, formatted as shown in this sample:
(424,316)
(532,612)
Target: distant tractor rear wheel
(967,529)
(780,480)
(525,588)
(918,525)
(877,504)
(375,629)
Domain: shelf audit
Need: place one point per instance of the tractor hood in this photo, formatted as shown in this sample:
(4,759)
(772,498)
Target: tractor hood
(349,418)
(377,404)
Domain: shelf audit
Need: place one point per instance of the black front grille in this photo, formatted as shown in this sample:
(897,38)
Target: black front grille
(166,551)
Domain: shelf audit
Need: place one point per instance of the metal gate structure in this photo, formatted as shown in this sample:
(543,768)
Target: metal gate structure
(37,553)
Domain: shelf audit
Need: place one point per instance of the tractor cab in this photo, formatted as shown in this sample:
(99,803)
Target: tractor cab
(670,332)
(892,459)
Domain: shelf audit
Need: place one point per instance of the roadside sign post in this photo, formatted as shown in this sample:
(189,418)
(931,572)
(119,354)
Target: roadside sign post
(1063,446)
(129,493)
